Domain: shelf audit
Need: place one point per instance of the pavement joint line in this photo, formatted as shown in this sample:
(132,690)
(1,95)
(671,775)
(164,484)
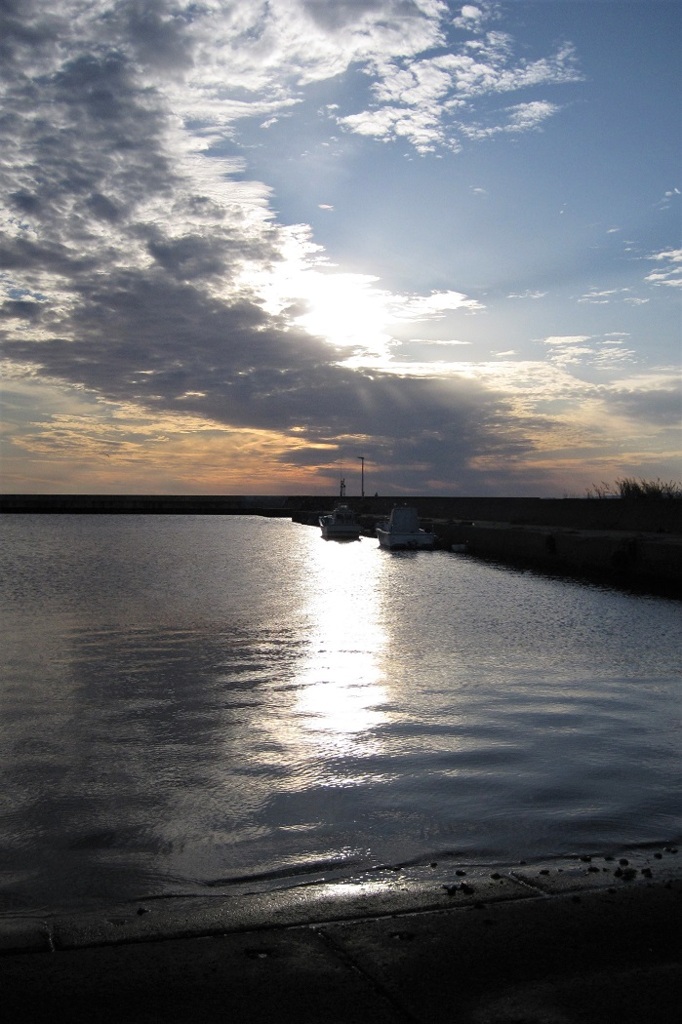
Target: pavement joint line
(344,957)
(528,883)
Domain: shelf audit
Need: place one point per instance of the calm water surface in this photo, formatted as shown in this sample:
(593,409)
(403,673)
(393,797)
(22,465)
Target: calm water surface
(187,701)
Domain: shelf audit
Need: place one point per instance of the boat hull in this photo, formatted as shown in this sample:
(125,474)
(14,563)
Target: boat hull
(340,524)
(338,533)
(402,531)
(421,541)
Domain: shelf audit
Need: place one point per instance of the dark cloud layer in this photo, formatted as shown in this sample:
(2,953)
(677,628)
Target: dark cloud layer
(663,407)
(169,347)
(115,252)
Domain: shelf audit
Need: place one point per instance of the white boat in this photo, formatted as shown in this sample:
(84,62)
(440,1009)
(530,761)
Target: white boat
(341,524)
(402,531)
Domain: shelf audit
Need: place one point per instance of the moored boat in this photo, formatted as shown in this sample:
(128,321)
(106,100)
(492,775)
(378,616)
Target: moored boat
(402,531)
(340,524)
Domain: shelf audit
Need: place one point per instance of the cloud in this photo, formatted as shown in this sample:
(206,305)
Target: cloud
(433,306)
(669,273)
(610,296)
(670,196)
(469,14)
(583,350)
(420,127)
(567,341)
(143,269)
(234,364)
(530,293)
(602,297)
(523,117)
(659,406)
(431,100)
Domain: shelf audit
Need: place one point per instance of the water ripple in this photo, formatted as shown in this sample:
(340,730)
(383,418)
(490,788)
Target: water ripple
(199,700)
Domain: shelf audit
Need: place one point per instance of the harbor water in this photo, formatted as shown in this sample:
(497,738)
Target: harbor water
(190,703)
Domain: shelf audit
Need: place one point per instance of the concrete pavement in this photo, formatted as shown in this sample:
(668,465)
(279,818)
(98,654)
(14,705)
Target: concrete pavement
(574,941)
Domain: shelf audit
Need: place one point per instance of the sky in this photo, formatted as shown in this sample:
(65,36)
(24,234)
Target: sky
(244,244)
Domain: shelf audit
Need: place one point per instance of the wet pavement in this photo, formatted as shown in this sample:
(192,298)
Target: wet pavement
(573,941)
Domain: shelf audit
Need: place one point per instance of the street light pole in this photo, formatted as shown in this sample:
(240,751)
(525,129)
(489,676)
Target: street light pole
(362,477)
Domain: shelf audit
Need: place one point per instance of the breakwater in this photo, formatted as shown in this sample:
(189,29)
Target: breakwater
(625,558)
(635,543)
(651,516)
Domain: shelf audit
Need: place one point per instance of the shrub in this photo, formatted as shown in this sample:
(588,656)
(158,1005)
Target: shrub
(631,489)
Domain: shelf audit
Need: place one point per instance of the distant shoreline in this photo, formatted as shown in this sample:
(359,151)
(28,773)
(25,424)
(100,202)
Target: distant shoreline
(647,516)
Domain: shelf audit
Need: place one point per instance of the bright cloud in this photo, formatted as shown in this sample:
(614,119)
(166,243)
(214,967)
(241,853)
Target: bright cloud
(429,100)
(669,271)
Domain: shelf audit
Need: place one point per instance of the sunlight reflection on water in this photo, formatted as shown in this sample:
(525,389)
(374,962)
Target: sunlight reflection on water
(341,700)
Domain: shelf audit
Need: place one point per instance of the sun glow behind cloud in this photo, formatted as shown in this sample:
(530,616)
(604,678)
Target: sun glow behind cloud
(349,311)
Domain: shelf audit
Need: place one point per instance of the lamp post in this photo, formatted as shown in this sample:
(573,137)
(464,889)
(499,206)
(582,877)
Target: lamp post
(362,476)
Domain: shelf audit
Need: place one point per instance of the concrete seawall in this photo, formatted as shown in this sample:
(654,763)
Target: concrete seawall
(652,516)
(649,560)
